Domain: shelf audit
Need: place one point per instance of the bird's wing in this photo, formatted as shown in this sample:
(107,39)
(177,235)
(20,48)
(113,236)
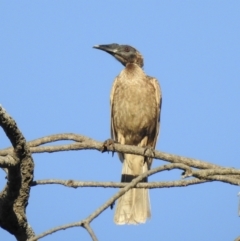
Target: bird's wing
(113,129)
(158,96)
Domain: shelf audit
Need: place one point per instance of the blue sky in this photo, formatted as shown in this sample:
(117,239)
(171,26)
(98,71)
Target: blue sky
(53,81)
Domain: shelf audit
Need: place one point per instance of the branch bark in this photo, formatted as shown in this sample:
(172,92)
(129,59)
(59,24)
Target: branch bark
(14,197)
(85,143)
(149,185)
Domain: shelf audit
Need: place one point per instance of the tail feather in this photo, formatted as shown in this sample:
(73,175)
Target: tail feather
(134,206)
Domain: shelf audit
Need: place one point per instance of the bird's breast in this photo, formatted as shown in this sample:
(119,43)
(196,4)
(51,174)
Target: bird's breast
(134,108)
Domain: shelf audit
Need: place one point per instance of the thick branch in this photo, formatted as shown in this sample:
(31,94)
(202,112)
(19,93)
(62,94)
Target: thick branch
(14,197)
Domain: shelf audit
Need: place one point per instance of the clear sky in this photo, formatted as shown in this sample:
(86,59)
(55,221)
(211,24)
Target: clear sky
(53,81)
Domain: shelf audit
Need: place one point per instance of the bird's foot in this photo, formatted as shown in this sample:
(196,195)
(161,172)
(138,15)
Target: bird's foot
(150,149)
(108,143)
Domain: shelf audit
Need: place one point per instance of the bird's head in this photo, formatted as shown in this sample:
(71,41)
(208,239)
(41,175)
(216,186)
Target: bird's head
(123,53)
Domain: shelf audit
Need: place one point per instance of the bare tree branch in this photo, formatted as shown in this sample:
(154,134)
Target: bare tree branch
(218,175)
(204,175)
(95,145)
(7,161)
(14,197)
(90,231)
(150,185)
(85,143)
(54,230)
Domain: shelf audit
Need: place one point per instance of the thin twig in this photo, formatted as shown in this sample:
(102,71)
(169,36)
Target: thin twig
(90,231)
(149,185)
(54,230)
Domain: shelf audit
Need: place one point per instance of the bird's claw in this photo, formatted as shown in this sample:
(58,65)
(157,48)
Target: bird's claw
(151,149)
(106,144)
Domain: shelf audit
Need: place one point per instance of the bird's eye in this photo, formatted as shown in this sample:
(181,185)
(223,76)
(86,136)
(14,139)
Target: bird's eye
(127,49)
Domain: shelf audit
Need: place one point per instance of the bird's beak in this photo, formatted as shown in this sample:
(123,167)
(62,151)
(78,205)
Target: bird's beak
(109,48)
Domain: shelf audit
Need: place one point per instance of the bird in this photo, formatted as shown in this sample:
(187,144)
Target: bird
(135,103)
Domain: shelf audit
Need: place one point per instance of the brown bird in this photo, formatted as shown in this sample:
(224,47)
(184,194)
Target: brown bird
(135,116)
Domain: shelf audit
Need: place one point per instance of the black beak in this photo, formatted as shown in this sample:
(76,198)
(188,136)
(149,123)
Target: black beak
(109,48)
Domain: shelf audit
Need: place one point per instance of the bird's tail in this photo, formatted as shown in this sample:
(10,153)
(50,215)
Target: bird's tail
(134,206)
